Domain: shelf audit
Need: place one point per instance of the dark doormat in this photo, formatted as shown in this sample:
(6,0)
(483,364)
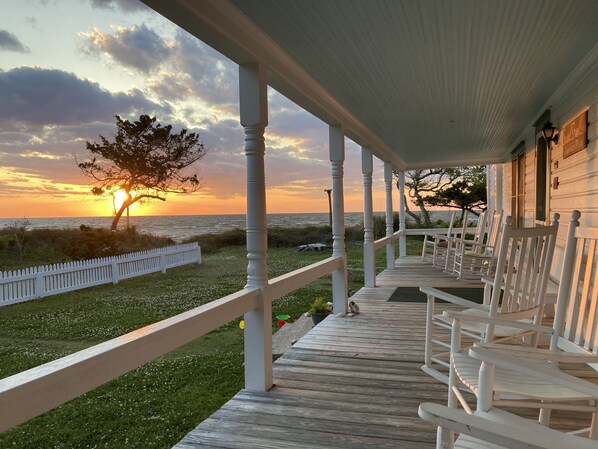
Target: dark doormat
(412,294)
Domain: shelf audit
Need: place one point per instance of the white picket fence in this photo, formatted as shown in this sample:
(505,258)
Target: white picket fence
(37,282)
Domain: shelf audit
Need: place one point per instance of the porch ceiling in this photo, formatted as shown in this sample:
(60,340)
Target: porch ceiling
(424,83)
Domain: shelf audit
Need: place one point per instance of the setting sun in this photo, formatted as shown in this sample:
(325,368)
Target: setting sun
(119,198)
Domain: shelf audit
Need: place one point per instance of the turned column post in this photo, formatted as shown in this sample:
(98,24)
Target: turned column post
(339,276)
(258,322)
(390,246)
(369,261)
(403,238)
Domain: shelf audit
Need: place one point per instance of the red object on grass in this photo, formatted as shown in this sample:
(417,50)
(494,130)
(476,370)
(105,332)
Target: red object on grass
(281,323)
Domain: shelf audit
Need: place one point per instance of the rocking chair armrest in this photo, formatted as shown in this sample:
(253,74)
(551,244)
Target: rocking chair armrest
(540,354)
(546,373)
(434,292)
(524,326)
(488,280)
(506,430)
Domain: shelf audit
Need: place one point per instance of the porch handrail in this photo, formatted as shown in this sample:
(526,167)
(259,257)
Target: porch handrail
(288,282)
(30,393)
(380,243)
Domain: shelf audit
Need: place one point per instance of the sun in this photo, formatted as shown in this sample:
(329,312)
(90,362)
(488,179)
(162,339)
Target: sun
(119,197)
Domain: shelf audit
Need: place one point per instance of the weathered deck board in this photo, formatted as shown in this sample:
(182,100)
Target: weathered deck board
(349,383)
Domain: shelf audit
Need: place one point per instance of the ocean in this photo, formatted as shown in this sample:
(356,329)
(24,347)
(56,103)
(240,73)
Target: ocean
(181,227)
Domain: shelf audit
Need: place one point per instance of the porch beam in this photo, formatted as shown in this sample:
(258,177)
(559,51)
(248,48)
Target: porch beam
(402,238)
(339,276)
(369,263)
(390,246)
(258,322)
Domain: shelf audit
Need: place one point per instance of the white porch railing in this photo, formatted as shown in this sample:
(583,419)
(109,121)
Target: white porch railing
(30,393)
(37,282)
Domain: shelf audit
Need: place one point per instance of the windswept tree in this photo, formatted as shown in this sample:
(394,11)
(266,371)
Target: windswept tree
(467,192)
(461,188)
(422,183)
(146,161)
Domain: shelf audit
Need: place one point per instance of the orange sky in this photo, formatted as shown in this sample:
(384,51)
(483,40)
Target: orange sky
(62,88)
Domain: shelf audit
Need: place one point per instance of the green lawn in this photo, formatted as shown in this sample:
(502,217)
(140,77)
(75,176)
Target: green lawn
(157,404)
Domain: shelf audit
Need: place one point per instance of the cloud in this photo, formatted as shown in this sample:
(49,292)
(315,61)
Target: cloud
(10,42)
(195,70)
(123,5)
(137,47)
(34,96)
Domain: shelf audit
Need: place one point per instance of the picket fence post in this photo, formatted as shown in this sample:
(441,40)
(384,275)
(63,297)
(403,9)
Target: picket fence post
(40,290)
(114,271)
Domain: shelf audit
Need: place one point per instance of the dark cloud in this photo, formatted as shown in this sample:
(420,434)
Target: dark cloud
(138,47)
(35,96)
(123,5)
(10,42)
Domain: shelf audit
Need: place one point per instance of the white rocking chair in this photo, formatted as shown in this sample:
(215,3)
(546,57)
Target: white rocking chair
(517,292)
(475,259)
(434,247)
(530,377)
(497,429)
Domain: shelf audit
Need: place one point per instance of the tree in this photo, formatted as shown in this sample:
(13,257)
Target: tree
(467,193)
(146,161)
(459,187)
(422,183)
(18,228)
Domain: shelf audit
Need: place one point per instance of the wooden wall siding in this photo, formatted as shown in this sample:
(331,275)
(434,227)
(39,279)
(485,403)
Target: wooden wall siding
(530,188)
(506,188)
(578,176)
(578,179)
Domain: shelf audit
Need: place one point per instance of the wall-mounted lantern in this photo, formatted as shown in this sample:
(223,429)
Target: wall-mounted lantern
(549,133)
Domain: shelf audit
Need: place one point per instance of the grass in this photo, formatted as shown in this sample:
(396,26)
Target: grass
(155,405)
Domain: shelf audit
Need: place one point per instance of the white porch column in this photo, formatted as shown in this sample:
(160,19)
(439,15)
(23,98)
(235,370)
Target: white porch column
(390,247)
(258,323)
(369,261)
(402,239)
(339,277)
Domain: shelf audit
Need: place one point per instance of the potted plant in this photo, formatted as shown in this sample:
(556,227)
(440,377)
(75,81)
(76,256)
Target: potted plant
(319,310)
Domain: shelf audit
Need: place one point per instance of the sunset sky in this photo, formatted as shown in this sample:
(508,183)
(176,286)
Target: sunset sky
(67,67)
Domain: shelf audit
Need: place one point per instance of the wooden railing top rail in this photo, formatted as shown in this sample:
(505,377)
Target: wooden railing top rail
(289,282)
(30,393)
(37,390)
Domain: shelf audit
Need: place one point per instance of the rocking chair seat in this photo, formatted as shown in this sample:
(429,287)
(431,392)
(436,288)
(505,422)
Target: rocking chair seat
(469,442)
(500,331)
(509,384)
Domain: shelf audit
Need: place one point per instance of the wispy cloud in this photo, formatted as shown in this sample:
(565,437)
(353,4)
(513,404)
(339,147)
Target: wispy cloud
(10,42)
(138,47)
(123,5)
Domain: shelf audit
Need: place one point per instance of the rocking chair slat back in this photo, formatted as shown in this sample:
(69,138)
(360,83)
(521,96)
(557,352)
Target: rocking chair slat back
(526,262)
(581,324)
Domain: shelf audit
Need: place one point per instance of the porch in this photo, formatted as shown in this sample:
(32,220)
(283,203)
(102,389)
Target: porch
(351,382)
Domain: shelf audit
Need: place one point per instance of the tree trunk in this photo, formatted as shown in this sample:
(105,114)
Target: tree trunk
(412,214)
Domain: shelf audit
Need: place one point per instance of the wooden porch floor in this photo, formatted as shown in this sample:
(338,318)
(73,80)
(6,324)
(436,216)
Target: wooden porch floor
(349,383)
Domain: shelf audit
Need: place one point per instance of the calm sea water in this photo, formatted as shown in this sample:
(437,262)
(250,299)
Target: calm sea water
(181,227)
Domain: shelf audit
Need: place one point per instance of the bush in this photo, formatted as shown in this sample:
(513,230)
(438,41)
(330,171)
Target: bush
(49,246)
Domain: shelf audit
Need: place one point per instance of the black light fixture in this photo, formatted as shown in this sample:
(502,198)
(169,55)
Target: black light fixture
(549,133)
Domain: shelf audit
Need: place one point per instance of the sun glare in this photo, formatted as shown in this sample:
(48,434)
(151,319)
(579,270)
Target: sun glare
(119,198)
